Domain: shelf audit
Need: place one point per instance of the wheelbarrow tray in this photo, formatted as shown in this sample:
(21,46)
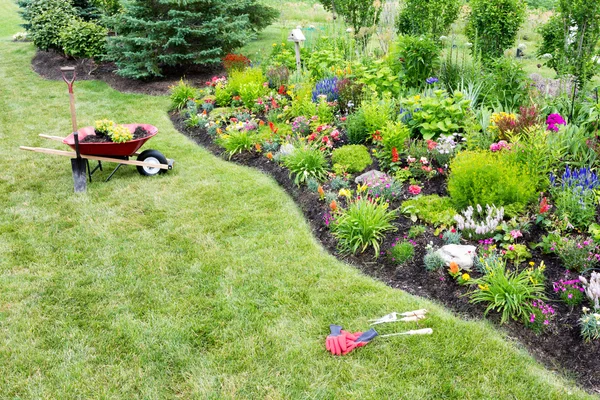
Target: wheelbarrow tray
(126,149)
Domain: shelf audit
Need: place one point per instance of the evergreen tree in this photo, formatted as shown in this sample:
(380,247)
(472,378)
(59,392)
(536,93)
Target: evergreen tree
(154,34)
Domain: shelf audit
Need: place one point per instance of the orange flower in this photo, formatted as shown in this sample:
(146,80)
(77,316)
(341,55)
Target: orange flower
(454,268)
(258,147)
(333,205)
(261,122)
(270,155)
(321,191)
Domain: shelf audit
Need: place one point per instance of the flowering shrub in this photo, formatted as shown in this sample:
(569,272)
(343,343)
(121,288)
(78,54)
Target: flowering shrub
(323,137)
(387,189)
(516,252)
(501,145)
(301,126)
(103,127)
(590,325)
(577,253)
(484,226)
(553,120)
(571,292)
(119,134)
(540,317)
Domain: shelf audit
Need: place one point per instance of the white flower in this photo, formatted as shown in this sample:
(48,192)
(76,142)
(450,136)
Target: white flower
(468,45)
(443,38)
(546,56)
(349,30)
(522,46)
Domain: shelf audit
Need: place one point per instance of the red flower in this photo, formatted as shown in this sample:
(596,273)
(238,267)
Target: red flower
(395,156)
(281,89)
(544,206)
(431,144)
(272,127)
(414,189)
(312,137)
(377,136)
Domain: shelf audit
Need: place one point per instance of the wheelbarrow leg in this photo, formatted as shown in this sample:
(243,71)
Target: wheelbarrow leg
(112,173)
(91,171)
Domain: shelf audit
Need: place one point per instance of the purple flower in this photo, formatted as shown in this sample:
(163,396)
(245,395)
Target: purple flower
(431,80)
(553,120)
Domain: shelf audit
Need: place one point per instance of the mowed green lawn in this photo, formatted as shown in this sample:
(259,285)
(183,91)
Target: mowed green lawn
(202,283)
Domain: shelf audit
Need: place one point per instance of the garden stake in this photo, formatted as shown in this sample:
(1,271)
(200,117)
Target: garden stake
(78,164)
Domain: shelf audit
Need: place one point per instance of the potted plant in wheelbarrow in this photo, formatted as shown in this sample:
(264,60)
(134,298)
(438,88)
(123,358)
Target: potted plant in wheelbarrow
(113,141)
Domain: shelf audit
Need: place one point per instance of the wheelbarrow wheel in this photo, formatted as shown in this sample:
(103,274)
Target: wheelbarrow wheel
(153,157)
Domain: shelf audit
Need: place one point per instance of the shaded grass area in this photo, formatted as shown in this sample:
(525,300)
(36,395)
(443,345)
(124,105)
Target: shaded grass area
(202,283)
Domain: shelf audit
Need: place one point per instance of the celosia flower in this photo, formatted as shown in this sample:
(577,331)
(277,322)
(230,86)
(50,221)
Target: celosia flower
(454,268)
(269,155)
(321,191)
(544,206)
(333,205)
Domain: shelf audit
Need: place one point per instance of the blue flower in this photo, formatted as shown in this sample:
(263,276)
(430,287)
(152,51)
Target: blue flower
(431,80)
(327,87)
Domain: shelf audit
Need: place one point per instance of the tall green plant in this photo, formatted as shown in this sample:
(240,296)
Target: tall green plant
(428,17)
(154,35)
(571,37)
(493,25)
(356,13)
(414,59)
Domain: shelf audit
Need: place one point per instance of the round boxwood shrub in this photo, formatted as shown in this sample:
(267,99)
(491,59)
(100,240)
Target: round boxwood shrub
(81,39)
(352,158)
(483,177)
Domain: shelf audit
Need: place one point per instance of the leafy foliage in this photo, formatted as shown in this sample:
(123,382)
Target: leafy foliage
(47,19)
(414,59)
(306,163)
(509,84)
(356,13)
(432,209)
(237,141)
(181,94)
(82,39)
(431,18)
(356,128)
(362,225)
(481,177)
(494,25)
(402,252)
(351,158)
(508,292)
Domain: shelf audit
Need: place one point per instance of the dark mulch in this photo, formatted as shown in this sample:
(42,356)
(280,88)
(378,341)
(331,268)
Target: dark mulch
(48,63)
(560,349)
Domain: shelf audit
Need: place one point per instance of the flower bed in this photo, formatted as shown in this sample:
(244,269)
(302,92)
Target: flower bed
(435,184)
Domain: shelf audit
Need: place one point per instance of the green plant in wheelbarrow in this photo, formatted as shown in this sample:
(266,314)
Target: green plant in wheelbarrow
(362,225)
(305,163)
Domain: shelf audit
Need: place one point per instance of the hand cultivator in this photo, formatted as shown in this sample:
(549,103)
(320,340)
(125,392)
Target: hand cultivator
(149,162)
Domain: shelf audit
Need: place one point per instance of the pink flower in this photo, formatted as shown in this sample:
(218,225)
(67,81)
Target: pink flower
(424,161)
(411,160)
(414,189)
(546,322)
(515,233)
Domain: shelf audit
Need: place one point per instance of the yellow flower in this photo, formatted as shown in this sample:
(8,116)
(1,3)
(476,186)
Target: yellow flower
(283,44)
(417,97)
(465,277)
(484,287)
(361,188)
(274,44)
(345,193)
(531,263)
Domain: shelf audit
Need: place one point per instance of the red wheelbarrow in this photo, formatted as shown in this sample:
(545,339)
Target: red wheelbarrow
(148,162)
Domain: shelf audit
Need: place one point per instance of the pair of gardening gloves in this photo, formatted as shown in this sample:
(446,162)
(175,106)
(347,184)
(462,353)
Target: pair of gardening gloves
(340,342)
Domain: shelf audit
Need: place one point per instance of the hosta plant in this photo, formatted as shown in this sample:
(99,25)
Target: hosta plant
(362,225)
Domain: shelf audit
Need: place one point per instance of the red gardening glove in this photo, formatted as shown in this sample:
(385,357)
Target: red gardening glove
(336,341)
(359,340)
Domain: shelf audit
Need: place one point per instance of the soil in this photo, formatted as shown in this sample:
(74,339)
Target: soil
(561,348)
(48,63)
(139,133)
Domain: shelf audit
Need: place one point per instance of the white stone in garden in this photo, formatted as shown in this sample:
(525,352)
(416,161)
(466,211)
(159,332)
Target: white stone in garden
(371,178)
(463,255)
(287,149)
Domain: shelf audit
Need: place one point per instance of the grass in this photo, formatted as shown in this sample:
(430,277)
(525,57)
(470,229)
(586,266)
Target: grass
(202,283)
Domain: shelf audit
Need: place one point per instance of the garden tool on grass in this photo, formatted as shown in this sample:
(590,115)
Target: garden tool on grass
(78,164)
(410,316)
(340,342)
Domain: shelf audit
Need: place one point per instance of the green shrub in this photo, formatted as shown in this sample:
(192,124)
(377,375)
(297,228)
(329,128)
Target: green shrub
(306,163)
(356,13)
(415,59)
(351,158)
(431,18)
(181,94)
(222,95)
(82,39)
(482,177)
(402,252)
(510,293)
(356,128)
(510,84)
(432,209)
(364,223)
(415,231)
(237,141)
(394,138)
(494,25)
(252,77)
(47,19)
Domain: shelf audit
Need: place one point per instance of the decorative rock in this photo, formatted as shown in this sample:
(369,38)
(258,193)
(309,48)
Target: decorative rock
(463,255)
(287,149)
(372,178)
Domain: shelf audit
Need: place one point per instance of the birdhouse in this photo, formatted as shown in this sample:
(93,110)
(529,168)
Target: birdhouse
(296,36)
